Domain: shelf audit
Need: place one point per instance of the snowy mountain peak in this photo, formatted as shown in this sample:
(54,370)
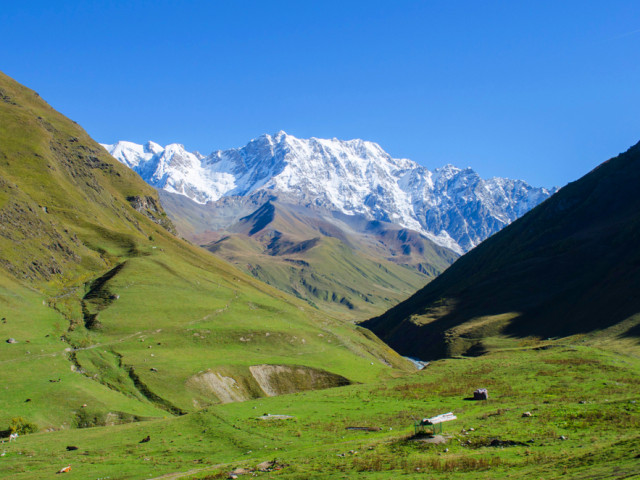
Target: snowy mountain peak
(152,147)
(452,206)
(279,135)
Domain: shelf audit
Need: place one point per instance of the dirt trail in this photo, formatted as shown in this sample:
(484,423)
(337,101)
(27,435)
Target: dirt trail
(111,342)
(217,312)
(69,349)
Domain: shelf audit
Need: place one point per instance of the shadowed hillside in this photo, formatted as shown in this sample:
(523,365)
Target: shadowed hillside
(570,266)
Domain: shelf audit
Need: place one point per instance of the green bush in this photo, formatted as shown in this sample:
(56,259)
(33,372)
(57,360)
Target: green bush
(21,426)
(88,418)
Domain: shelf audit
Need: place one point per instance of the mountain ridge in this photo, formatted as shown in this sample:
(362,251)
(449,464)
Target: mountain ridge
(454,207)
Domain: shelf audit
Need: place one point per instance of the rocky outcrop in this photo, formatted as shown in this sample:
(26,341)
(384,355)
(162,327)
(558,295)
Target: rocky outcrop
(262,380)
(152,209)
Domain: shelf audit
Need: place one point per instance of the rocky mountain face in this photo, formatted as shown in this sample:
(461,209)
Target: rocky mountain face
(453,207)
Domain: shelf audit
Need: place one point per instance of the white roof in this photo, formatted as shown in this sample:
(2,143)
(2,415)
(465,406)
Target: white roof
(445,417)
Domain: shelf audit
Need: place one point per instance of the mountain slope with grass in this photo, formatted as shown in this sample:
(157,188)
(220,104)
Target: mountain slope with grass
(107,317)
(570,266)
(345,264)
(353,269)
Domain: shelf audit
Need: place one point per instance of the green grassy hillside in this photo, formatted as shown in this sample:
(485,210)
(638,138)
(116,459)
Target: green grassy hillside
(326,273)
(570,266)
(353,271)
(65,206)
(107,317)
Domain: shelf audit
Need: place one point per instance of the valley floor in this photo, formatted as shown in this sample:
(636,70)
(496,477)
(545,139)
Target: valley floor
(583,399)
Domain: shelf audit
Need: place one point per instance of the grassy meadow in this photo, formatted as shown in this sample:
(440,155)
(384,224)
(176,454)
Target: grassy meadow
(584,402)
(159,322)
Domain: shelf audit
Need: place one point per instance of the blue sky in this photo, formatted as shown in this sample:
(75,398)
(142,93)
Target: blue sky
(542,91)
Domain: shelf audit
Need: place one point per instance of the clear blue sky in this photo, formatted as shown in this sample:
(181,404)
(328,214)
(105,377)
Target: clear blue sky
(542,91)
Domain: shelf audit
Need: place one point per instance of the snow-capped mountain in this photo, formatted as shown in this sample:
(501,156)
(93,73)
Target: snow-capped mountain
(452,206)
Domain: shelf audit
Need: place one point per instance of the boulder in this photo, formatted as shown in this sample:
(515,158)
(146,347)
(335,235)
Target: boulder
(481,394)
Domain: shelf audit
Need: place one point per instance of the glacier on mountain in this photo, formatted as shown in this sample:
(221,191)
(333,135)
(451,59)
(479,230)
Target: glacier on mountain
(453,207)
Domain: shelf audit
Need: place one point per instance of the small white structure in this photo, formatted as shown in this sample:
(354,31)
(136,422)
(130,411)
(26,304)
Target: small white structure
(445,417)
(435,422)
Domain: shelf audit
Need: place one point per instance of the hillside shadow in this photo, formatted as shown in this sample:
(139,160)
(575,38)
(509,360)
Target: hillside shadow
(569,266)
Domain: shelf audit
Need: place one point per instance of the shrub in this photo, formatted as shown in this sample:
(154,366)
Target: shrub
(87,419)
(21,426)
